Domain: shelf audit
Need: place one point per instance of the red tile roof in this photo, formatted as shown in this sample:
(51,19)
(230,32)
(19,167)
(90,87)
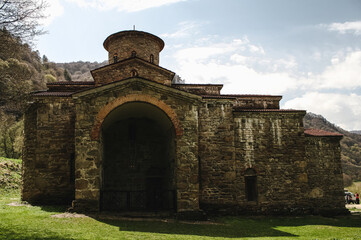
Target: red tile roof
(321,133)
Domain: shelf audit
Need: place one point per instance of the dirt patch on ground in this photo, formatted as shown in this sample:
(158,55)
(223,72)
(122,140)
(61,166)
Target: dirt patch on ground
(16,204)
(107,216)
(69,215)
(350,206)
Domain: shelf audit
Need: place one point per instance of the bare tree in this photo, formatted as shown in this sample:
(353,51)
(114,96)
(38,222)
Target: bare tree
(21,17)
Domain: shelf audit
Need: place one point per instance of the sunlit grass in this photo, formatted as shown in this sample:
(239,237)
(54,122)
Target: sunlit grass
(36,222)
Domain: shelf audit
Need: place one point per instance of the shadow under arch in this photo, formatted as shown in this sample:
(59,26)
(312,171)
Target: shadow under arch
(103,113)
(138,172)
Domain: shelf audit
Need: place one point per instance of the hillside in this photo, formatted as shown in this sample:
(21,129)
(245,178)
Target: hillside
(10,173)
(357,132)
(22,71)
(350,145)
(80,71)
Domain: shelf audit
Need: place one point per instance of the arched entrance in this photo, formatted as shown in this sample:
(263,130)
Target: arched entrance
(138,159)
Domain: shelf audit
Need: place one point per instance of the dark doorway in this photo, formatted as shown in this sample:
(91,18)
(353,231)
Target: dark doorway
(251,188)
(138,160)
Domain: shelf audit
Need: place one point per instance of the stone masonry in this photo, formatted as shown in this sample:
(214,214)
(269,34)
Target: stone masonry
(132,140)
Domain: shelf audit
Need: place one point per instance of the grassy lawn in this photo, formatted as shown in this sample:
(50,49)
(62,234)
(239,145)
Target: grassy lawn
(36,222)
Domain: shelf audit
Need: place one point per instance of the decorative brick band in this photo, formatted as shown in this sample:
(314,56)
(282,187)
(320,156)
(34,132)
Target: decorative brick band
(103,113)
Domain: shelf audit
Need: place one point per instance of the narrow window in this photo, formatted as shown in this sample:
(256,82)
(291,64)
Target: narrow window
(134,73)
(134,53)
(250,180)
(115,57)
(151,58)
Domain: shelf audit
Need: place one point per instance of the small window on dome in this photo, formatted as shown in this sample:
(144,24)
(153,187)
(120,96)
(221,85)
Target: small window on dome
(134,73)
(115,57)
(134,53)
(151,58)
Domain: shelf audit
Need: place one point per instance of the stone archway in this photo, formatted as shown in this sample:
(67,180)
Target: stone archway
(138,141)
(103,113)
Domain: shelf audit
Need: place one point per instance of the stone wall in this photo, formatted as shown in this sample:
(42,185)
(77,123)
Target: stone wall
(217,153)
(48,161)
(325,174)
(89,158)
(270,143)
(125,70)
(257,102)
(200,89)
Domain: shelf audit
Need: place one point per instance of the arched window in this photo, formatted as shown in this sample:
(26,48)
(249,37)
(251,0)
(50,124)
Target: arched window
(250,179)
(134,53)
(134,73)
(151,58)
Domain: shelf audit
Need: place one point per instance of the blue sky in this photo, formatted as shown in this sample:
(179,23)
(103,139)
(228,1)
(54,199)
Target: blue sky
(309,51)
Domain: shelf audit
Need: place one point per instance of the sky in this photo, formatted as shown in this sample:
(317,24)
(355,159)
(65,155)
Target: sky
(308,51)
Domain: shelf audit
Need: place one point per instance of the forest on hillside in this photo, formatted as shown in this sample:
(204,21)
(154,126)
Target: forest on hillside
(22,71)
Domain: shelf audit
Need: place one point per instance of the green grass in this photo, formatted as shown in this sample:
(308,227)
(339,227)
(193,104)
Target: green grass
(35,222)
(355,187)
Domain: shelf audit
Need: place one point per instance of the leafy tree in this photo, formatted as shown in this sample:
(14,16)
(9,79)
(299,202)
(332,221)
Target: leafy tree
(21,17)
(67,75)
(15,84)
(49,78)
(45,59)
(11,138)
(178,80)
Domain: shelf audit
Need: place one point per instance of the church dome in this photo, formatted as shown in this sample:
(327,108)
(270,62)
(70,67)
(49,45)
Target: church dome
(126,44)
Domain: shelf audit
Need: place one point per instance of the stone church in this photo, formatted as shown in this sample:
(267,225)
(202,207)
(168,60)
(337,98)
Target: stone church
(133,140)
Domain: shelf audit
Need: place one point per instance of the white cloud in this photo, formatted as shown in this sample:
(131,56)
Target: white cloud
(342,109)
(186,29)
(255,49)
(346,27)
(124,5)
(341,74)
(228,63)
(242,71)
(54,9)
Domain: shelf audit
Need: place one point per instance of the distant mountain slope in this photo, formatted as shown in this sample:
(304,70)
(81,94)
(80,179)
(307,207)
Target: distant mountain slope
(357,132)
(350,144)
(80,71)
